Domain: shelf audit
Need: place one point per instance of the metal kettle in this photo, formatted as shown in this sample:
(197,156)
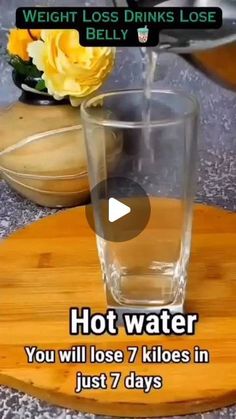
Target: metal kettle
(213,51)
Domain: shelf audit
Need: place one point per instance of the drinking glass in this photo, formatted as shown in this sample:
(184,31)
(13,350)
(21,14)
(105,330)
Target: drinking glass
(156,145)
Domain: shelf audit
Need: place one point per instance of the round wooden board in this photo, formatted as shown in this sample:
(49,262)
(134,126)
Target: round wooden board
(52,265)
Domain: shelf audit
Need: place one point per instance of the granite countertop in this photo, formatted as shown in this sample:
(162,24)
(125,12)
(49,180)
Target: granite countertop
(216,186)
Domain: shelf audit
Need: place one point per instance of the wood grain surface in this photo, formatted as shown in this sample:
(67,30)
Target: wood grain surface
(52,265)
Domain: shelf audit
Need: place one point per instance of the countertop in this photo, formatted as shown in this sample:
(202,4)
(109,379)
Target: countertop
(216,186)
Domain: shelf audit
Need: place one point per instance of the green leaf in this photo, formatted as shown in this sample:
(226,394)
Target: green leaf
(40,85)
(17,64)
(25,68)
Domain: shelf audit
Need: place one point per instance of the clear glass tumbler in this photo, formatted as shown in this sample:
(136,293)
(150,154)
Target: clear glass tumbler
(153,143)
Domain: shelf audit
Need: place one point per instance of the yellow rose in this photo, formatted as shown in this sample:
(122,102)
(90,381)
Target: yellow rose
(68,68)
(19,40)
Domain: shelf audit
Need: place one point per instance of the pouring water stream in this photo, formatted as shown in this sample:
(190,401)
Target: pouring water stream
(149,63)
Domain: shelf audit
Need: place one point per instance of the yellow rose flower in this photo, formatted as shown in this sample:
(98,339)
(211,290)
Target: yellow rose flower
(68,68)
(19,40)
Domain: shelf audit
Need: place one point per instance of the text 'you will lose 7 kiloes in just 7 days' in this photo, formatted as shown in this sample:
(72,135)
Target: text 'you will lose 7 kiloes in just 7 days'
(132,27)
(84,322)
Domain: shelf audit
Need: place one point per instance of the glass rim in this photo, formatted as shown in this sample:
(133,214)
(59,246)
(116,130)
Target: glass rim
(115,123)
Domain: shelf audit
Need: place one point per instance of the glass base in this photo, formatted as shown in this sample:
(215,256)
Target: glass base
(176,306)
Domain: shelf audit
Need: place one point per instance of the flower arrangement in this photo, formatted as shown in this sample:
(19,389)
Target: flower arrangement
(58,64)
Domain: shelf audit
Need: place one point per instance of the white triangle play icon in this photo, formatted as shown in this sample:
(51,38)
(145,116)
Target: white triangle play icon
(117,210)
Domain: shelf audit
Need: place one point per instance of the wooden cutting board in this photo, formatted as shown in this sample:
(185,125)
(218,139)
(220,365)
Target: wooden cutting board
(52,265)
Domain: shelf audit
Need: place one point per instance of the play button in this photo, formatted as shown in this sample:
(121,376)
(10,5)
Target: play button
(117,210)
(120,209)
